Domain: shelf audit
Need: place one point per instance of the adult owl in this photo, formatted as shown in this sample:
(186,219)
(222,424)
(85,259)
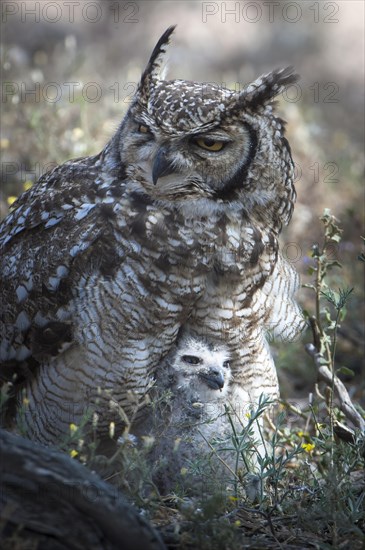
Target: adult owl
(106,257)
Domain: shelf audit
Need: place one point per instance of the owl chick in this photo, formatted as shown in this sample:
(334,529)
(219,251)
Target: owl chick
(197,381)
(200,369)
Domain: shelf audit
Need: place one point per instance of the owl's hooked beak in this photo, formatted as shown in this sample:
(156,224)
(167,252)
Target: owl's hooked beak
(214,379)
(161,166)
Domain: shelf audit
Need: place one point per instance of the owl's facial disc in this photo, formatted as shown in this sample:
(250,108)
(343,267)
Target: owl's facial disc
(195,165)
(186,143)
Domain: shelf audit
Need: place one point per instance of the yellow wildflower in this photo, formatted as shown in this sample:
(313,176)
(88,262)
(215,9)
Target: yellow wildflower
(10,200)
(73,453)
(27,185)
(73,428)
(308,447)
(303,434)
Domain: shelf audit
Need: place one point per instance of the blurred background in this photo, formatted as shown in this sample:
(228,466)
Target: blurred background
(69,70)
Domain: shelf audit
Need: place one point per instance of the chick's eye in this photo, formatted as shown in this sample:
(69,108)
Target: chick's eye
(191,359)
(143,129)
(226,364)
(210,144)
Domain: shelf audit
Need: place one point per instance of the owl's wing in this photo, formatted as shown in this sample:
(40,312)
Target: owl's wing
(56,224)
(284,318)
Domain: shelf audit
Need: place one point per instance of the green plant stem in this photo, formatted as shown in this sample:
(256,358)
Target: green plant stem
(320,274)
(219,458)
(237,441)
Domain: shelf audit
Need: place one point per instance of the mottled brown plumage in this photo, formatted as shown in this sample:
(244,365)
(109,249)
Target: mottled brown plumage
(174,223)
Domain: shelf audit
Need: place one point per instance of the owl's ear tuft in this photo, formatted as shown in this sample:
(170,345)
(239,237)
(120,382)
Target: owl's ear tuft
(152,72)
(267,87)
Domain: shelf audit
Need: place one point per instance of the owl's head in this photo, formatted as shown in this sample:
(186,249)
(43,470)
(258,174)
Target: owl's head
(191,143)
(202,368)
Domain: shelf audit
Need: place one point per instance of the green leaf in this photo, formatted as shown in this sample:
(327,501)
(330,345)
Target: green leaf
(344,296)
(345,370)
(343,314)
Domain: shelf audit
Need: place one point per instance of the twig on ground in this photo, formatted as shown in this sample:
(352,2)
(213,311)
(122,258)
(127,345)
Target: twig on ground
(345,401)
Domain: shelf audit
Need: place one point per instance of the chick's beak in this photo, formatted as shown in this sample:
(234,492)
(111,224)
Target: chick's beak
(214,379)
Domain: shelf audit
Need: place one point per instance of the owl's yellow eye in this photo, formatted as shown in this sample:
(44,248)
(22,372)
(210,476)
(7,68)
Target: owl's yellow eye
(210,144)
(143,129)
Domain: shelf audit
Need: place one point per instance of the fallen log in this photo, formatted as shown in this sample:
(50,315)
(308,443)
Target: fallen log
(49,501)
